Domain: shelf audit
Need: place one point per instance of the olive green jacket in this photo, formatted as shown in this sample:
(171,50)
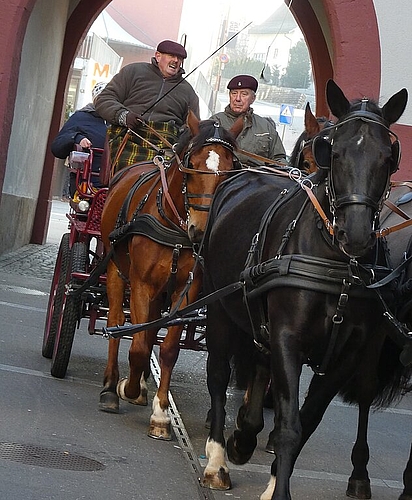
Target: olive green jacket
(258,136)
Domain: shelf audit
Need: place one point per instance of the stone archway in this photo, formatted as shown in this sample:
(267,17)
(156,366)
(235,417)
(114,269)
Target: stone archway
(334,32)
(343,40)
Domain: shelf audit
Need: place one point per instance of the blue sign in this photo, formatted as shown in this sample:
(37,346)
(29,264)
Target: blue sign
(286,114)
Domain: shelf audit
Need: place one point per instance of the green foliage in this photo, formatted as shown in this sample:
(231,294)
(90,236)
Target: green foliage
(298,72)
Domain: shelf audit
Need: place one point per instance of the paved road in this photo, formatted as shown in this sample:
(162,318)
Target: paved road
(55,444)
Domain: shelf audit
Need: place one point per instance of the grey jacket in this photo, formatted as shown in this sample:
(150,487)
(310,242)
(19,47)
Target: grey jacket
(259,135)
(138,86)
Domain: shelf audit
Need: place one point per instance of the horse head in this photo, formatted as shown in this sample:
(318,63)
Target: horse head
(360,155)
(209,158)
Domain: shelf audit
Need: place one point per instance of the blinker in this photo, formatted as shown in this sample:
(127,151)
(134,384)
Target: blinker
(322,151)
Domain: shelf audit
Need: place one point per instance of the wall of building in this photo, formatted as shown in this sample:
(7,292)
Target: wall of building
(362,44)
(37,80)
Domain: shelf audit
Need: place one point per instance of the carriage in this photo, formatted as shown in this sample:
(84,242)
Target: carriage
(78,288)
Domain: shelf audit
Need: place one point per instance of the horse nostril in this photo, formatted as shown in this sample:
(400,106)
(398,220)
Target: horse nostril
(341,236)
(195,235)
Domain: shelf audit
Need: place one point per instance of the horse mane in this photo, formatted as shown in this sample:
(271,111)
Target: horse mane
(372,105)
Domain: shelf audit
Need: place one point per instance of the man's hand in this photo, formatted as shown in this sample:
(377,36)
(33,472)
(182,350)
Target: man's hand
(132,120)
(85,143)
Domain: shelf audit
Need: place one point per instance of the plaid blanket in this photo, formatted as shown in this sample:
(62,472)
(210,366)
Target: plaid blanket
(136,149)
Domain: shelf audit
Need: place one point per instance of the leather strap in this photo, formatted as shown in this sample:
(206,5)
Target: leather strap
(279,163)
(121,331)
(316,204)
(160,165)
(396,209)
(119,152)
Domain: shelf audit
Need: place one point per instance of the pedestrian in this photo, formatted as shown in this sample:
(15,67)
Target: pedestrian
(155,93)
(85,128)
(259,135)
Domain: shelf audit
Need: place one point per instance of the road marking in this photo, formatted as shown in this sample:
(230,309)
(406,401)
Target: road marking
(36,373)
(21,289)
(19,306)
(187,447)
(310,474)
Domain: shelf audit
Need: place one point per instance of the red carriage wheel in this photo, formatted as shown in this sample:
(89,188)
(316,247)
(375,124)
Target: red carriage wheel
(71,317)
(56,297)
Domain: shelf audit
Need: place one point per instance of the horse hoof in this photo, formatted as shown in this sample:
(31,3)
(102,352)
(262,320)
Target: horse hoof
(359,489)
(109,402)
(160,430)
(234,454)
(141,400)
(218,481)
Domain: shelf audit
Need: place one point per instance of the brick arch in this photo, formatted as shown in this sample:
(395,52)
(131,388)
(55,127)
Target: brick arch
(347,49)
(77,25)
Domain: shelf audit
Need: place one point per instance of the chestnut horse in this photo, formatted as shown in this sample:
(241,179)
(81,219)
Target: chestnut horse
(151,219)
(300,270)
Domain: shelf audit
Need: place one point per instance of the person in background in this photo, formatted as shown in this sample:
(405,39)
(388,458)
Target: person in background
(154,92)
(259,135)
(87,129)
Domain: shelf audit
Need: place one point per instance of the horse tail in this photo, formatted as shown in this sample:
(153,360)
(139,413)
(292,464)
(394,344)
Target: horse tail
(391,379)
(243,361)
(394,379)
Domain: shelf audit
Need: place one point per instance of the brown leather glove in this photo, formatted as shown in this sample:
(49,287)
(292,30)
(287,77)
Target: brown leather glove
(132,120)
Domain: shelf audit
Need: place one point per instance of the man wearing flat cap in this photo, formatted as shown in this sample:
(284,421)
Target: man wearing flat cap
(259,135)
(135,94)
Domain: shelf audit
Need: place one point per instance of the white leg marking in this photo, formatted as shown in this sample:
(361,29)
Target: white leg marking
(215,454)
(159,415)
(268,493)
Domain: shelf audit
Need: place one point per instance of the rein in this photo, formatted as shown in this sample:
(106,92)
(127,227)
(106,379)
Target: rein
(159,162)
(265,160)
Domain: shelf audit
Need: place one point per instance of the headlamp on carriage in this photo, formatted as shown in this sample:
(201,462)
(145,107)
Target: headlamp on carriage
(77,159)
(83,206)
(80,205)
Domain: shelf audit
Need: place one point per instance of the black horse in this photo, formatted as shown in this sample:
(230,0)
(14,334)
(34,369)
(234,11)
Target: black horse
(385,379)
(302,295)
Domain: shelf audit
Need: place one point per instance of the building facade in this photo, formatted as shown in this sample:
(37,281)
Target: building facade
(362,45)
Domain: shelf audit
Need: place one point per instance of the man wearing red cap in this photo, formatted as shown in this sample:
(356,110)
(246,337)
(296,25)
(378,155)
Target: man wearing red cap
(136,93)
(259,135)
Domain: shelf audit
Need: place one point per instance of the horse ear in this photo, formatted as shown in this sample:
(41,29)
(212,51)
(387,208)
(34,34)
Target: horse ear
(237,127)
(312,126)
(394,108)
(337,101)
(322,151)
(192,122)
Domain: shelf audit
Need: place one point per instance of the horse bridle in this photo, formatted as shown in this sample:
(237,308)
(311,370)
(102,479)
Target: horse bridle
(306,144)
(337,202)
(186,169)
